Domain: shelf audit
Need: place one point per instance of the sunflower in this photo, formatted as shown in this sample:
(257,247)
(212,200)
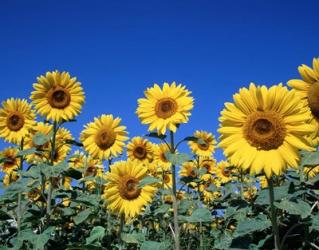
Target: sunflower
(140,150)
(16,118)
(57,96)
(163,109)
(223,173)
(160,158)
(308,89)
(188,169)
(167,179)
(205,144)
(104,138)
(9,178)
(122,191)
(264,129)
(311,172)
(209,164)
(43,151)
(11,162)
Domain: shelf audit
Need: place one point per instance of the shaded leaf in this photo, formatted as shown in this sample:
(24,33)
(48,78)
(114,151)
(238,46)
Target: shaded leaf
(82,216)
(248,226)
(298,208)
(148,180)
(96,234)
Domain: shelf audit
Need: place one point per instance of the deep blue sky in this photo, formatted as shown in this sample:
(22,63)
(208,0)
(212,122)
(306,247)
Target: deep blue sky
(118,48)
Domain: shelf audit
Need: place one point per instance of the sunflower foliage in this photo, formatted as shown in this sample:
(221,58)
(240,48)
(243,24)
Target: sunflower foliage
(163,190)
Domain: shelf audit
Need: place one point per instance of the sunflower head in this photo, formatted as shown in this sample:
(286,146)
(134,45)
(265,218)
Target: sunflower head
(122,191)
(264,128)
(140,150)
(205,144)
(16,119)
(10,178)
(189,169)
(160,158)
(311,172)
(164,108)
(11,161)
(209,164)
(104,138)
(57,96)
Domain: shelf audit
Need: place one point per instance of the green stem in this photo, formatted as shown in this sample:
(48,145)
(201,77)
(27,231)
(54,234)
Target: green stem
(122,222)
(175,205)
(273,214)
(19,215)
(50,190)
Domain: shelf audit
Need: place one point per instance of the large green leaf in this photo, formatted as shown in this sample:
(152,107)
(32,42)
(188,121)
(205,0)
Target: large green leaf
(298,208)
(82,216)
(309,158)
(153,245)
(134,238)
(248,226)
(315,222)
(40,139)
(162,209)
(148,180)
(177,158)
(200,215)
(280,193)
(96,234)
(40,240)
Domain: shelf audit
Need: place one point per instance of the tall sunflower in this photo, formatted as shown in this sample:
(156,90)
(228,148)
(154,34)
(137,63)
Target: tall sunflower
(308,89)
(164,108)
(188,169)
(11,162)
(223,173)
(57,96)
(140,150)
(264,128)
(205,145)
(16,118)
(122,191)
(160,158)
(104,138)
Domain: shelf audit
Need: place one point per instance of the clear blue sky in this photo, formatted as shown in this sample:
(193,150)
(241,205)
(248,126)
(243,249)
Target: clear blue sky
(118,48)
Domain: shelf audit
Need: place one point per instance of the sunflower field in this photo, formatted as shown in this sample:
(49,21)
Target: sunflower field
(105,190)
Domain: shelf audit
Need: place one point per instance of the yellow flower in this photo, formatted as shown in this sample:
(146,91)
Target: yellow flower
(180,195)
(122,191)
(9,178)
(159,156)
(167,180)
(263,181)
(250,193)
(264,128)
(57,96)
(104,138)
(188,169)
(311,172)
(140,150)
(16,118)
(205,145)
(308,89)
(11,162)
(223,173)
(209,196)
(209,164)
(44,151)
(34,194)
(163,109)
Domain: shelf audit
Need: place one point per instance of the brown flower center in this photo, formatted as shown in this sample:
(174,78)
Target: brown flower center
(193,173)
(105,138)
(59,97)
(165,108)
(139,152)
(225,171)
(9,163)
(167,178)
(204,145)
(264,130)
(15,121)
(313,99)
(128,188)
(91,171)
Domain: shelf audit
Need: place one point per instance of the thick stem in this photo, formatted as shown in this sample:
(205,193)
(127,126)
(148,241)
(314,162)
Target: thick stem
(52,155)
(122,222)
(19,215)
(175,205)
(273,214)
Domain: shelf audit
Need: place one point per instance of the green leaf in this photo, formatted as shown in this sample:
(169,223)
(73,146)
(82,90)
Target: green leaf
(191,138)
(200,215)
(134,238)
(74,142)
(280,193)
(82,216)
(248,226)
(154,245)
(298,208)
(40,139)
(73,173)
(148,180)
(162,209)
(176,158)
(314,223)
(42,239)
(27,152)
(155,135)
(184,206)
(96,234)
(309,158)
